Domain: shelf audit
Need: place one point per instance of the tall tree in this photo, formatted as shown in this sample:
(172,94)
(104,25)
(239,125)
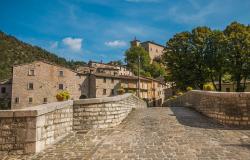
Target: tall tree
(198,46)
(132,59)
(239,52)
(215,57)
(180,59)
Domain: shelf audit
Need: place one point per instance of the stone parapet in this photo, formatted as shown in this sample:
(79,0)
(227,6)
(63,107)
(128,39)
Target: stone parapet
(231,108)
(33,129)
(103,112)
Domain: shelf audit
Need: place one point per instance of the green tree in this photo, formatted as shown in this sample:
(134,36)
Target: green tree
(180,60)
(238,46)
(132,59)
(215,57)
(198,45)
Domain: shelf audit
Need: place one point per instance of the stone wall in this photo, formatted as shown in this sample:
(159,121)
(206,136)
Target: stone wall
(227,108)
(35,128)
(103,112)
(31,130)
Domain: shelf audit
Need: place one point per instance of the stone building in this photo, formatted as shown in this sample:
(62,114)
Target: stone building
(104,85)
(39,82)
(231,87)
(155,50)
(109,68)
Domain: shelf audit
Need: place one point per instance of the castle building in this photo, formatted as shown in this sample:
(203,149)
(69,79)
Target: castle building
(155,50)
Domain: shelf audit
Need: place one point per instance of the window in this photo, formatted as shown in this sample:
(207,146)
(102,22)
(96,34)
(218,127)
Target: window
(61,73)
(113,92)
(45,100)
(17,100)
(227,89)
(112,80)
(104,80)
(30,100)
(30,86)
(156,50)
(61,86)
(3,90)
(104,91)
(31,72)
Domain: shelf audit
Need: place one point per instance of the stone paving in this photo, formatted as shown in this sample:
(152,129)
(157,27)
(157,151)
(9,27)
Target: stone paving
(153,133)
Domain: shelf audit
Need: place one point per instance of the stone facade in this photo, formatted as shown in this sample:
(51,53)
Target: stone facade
(155,50)
(35,128)
(104,112)
(231,87)
(226,108)
(39,82)
(104,85)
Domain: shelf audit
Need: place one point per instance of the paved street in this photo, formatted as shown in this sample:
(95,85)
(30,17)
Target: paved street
(154,133)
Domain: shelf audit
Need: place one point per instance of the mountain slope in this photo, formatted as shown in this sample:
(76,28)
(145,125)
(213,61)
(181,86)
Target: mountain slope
(14,51)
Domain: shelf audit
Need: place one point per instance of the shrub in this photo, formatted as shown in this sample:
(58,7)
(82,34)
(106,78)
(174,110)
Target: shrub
(189,88)
(130,91)
(179,93)
(120,91)
(208,87)
(62,96)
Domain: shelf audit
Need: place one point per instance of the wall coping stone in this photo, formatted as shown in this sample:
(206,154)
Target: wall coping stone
(36,110)
(102,99)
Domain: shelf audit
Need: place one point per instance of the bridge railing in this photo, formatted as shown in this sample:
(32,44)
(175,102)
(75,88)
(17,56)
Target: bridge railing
(231,108)
(33,129)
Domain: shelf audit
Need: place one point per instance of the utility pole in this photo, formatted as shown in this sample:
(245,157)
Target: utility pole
(139,63)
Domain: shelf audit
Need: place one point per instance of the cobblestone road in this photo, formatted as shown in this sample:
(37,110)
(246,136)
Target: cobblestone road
(154,133)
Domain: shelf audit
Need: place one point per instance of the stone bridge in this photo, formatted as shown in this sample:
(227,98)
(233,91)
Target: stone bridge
(146,133)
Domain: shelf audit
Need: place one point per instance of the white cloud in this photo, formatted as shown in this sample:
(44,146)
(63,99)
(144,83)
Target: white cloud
(54,45)
(75,44)
(116,43)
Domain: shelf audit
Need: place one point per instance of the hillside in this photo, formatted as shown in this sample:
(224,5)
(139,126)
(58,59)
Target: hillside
(14,51)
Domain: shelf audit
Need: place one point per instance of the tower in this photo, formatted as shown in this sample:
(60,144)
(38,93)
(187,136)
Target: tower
(135,43)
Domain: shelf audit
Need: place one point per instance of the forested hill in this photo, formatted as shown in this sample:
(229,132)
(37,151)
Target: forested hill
(14,51)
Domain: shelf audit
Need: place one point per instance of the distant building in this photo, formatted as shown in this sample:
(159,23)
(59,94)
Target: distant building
(104,85)
(39,82)
(231,87)
(155,50)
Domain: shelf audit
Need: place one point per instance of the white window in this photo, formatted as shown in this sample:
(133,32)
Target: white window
(31,72)
(61,73)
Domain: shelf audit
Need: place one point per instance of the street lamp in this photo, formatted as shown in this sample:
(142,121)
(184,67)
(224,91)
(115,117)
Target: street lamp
(139,62)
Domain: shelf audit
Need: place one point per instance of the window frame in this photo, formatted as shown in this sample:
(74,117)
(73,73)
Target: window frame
(17,100)
(61,75)
(30,100)
(59,86)
(29,86)
(45,102)
(104,92)
(31,72)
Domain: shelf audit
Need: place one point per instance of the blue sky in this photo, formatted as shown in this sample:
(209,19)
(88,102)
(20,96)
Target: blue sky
(102,29)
